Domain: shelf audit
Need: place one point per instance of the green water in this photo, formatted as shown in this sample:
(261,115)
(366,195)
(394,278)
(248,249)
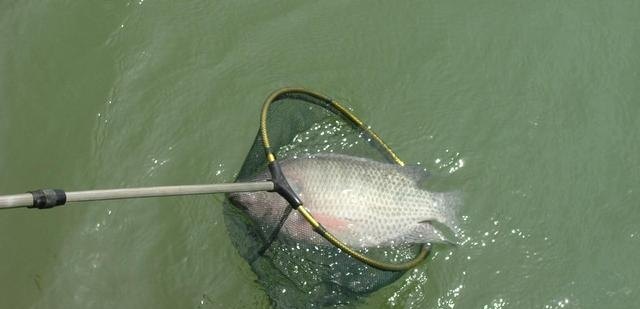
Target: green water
(532,108)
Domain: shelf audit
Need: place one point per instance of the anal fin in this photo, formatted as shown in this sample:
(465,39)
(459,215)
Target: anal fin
(432,232)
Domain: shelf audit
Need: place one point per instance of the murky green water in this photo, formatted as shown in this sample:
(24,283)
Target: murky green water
(532,108)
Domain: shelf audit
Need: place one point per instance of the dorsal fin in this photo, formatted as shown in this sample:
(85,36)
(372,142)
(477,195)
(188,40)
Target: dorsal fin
(416,173)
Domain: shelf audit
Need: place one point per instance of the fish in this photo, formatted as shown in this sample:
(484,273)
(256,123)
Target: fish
(363,202)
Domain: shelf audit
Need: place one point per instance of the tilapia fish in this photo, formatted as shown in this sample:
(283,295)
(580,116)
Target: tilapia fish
(364,203)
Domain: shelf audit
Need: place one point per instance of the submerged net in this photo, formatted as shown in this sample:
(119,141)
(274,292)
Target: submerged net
(299,273)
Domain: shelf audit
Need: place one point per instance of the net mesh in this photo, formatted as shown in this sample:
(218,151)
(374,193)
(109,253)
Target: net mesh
(299,273)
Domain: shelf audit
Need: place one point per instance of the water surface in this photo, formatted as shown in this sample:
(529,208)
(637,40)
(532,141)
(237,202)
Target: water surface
(530,109)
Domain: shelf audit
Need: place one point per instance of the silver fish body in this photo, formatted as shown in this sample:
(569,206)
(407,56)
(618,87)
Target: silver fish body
(364,203)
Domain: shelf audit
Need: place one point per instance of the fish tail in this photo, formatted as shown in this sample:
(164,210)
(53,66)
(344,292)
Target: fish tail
(448,204)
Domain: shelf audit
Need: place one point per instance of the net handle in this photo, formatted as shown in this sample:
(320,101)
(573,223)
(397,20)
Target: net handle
(318,99)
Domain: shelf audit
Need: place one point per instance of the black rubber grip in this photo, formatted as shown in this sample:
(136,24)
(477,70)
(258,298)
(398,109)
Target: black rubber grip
(48,198)
(281,186)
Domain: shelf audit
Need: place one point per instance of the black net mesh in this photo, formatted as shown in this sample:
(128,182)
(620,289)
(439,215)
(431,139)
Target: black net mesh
(305,272)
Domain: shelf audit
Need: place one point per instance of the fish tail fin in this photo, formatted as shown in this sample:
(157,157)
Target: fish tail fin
(446,224)
(449,204)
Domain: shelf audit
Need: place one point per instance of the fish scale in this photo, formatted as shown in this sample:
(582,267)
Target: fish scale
(363,202)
